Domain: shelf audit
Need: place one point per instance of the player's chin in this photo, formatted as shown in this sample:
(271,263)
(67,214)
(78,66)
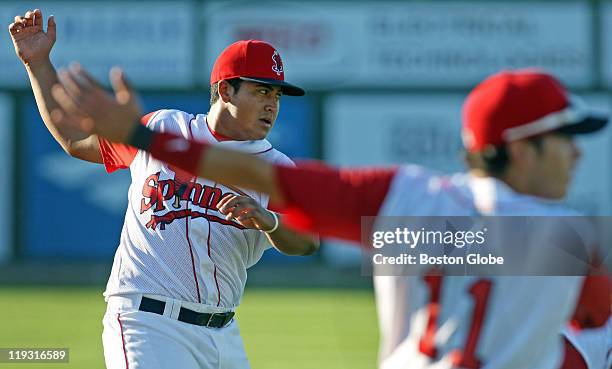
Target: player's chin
(262,130)
(558,192)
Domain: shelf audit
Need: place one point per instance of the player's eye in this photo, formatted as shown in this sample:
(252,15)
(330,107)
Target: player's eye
(263,91)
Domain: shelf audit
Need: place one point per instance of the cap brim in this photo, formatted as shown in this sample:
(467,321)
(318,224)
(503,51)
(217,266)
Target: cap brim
(287,88)
(588,124)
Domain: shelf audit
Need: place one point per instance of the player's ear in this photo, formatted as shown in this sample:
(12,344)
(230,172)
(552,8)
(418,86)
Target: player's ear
(226,91)
(520,152)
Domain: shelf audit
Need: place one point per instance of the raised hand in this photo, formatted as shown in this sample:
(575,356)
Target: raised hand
(32,44)
(84,103)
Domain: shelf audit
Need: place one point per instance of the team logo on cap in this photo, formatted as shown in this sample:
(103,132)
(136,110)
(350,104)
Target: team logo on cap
(278,63)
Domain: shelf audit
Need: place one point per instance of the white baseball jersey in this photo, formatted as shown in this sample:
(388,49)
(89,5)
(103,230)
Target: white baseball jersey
(174,241)
(470,322)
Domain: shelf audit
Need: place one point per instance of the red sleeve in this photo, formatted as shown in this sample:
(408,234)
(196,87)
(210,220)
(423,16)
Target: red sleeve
(331,201)
(119,156)
(274,208)
(593,308)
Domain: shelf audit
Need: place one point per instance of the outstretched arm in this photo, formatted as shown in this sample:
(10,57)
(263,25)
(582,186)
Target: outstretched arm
(33,47)
(315,197)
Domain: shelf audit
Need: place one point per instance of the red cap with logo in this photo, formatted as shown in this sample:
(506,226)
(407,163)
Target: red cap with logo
(253,60)
(512,105)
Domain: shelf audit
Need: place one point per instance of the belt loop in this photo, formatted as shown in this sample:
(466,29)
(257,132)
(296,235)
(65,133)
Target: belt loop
(176,308)
(137,301)
(168,307)
(210,318)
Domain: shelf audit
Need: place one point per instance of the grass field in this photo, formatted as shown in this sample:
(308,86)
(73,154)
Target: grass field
(295,329)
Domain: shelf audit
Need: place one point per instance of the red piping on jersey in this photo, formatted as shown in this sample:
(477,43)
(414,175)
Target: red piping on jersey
(210,257)
(193,268)
(264,151)
(221,137)
(146,118)
(123,341)
(217,284)
(218,136)
(195,276)
(190,130)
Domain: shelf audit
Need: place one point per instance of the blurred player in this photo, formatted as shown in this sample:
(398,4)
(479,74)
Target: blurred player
(180,269)
(518,130)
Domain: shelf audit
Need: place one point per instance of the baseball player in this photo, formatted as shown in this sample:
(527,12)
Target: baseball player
(518,130)
(181,266)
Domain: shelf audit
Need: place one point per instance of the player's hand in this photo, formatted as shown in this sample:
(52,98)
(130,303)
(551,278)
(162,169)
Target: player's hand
(85,104)
(31,43)
(246,211)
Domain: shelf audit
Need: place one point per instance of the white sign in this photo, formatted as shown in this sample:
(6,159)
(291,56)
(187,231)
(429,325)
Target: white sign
(414,44)
(152,41)
(7,178)
(591,190)
(394,129)
(606,42)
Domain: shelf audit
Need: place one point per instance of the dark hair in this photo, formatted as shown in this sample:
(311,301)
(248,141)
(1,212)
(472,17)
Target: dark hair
(214,89)
(494,160)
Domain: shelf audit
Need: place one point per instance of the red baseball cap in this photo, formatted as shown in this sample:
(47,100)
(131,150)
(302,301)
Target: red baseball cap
(253,60)
(512,105)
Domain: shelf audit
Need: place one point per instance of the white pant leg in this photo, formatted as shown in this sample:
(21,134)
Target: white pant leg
(138,340)
(231,347)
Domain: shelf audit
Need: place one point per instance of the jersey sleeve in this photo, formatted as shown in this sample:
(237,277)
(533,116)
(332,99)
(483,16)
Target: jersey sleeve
(119,156)
(116,155)
(331,201)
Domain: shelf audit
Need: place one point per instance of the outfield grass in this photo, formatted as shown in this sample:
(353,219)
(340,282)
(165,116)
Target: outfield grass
(295,329)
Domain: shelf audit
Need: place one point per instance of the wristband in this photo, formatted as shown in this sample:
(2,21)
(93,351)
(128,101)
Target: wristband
(141,138)
(170,148)
(276,223)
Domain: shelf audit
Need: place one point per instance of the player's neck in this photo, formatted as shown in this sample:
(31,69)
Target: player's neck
(509,178)
(219,124)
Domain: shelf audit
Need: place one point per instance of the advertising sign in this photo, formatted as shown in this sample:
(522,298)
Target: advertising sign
(412,44)
(155,49)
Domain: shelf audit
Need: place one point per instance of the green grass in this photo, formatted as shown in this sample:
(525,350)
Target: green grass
(295,329)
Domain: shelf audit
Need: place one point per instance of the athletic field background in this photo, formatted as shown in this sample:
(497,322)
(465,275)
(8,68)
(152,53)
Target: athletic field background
(282,328)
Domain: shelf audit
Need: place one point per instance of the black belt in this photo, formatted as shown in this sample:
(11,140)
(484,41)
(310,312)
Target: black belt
(215,320)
